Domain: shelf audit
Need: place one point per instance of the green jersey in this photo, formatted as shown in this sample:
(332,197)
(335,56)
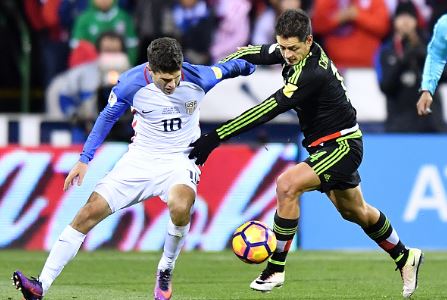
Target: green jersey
(93,22)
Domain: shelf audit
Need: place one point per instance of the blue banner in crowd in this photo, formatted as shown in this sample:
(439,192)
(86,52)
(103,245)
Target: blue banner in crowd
(405,176)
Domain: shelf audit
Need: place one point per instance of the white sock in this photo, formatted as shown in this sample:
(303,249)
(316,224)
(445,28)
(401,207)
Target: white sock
(61,253)
(174,240)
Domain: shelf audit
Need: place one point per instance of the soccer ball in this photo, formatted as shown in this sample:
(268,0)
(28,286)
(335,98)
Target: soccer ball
(253,242)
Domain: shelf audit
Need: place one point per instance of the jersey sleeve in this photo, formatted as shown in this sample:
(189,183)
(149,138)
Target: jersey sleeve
(208,76)
(258,55)
(119,101)
(300,87)
(436,57)
(104,123)
(255,116)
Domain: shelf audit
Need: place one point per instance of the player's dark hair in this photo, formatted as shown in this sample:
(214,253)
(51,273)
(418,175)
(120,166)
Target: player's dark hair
(165,55)
(293,23)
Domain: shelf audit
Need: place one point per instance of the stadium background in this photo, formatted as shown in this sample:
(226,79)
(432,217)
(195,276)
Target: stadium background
(405,175)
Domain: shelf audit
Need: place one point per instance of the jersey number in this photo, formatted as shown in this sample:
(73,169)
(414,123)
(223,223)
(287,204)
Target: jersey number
(194,177)
(172,124)
(339,78)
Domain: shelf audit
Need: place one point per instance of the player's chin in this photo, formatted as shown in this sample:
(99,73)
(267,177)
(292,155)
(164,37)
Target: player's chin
(169,92)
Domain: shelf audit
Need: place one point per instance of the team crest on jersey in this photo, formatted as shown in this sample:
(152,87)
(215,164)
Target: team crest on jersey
(112,98)
(191,106)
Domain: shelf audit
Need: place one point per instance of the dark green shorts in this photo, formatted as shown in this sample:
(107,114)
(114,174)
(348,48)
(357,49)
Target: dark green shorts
(336,162)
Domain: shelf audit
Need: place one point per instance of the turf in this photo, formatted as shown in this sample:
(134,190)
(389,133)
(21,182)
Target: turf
(220,275)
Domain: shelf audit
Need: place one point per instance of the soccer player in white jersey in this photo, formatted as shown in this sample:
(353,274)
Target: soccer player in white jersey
(164,95)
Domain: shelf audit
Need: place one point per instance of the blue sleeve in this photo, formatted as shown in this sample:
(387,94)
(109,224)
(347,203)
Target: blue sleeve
(208,76)
(436,56)
(104,123)
(120,99)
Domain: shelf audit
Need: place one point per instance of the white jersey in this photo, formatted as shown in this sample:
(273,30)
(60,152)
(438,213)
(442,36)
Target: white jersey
(163,124)
(166,124)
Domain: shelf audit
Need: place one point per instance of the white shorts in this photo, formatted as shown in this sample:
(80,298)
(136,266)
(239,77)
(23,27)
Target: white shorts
(138,176)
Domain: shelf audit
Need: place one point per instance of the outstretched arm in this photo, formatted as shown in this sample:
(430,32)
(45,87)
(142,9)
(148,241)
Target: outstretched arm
(208,76)
(257,115)
(104,123)
(286,98)
(434,66)
(258,55)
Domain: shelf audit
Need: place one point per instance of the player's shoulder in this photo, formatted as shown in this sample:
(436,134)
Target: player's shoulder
(134,73)
(315,65)
(191,71)
(131,81)
(442,19)
(441,24)
(136,76)
(199,76)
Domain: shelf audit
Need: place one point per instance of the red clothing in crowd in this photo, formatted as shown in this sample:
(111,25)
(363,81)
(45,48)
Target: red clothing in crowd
(353,43)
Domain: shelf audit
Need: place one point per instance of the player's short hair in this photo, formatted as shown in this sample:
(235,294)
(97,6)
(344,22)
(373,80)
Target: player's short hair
(165,55)
(293,23)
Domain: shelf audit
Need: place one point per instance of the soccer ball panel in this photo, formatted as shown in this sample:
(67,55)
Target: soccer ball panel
(242,227)
(239,245)
(258,254)
(255,233)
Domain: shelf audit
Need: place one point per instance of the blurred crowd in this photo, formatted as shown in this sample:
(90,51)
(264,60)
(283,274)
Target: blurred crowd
(75,48)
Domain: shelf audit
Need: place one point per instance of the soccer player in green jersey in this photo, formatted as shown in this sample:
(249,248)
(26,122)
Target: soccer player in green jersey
(315,90)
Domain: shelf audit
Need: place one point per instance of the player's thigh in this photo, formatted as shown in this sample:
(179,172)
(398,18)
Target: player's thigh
(336,164)
(129,182)
(181,180)
(299,178)
(94,211)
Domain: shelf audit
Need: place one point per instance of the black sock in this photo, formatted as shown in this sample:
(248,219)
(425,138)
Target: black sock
(386,237)
(284,230)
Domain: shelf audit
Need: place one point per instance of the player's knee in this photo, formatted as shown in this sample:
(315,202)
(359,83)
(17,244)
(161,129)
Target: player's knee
(348,215)
(356,214)
(180,213)
(286,189)
(88,216)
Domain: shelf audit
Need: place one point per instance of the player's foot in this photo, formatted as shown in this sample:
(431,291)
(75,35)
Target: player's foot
(163,286)
(268,280)
(409,272)
(31,288)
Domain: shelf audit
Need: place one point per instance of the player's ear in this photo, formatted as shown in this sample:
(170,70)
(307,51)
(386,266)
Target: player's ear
(149,69)
(309,40)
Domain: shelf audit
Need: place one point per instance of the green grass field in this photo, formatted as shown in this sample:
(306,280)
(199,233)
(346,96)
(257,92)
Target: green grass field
(220,275)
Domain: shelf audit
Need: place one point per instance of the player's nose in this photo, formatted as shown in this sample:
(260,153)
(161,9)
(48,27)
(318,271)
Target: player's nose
(170,84)
(288,53)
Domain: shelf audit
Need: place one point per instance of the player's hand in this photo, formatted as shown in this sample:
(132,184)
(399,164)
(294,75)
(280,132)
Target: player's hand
(247,68)
(424,103)
(76,175)
(203,146)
